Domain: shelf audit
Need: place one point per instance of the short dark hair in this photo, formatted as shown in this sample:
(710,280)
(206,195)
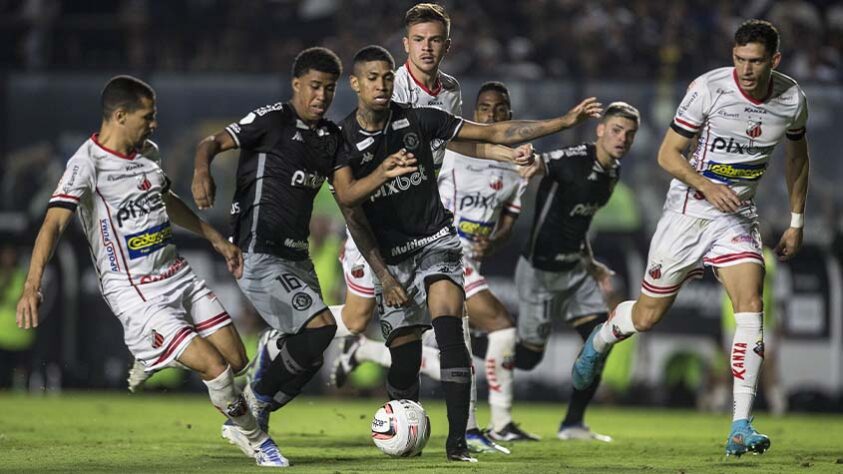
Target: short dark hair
(124,92)
(425,13)
(371,53)
(497,87)
(621,109)
(758,31)
(319,59)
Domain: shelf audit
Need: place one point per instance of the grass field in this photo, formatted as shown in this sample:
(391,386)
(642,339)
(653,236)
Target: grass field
(105,432)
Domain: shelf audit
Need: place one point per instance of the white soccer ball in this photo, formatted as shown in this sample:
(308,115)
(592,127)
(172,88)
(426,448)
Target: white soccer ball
(400,428)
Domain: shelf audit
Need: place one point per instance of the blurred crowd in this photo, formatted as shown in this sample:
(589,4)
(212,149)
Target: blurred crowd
(530,39)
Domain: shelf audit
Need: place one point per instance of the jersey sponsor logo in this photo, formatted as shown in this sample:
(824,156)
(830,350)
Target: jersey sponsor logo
(411,141)
(579,150)
(263,111)
(134,208)
(736,148)
(567,257)
(133,166)
(69,184)
(478,200)
(148,241)
(687,104)
(170,271)
(753,128)
(734,172)
(365,143)
(400,184)
(470,229)
(295,244)
(585,209)
(235,208)
(726,114)
(745,239)
(304,179)
(108,245)
(754,110)
(302,301)
(418,243)
(399,124)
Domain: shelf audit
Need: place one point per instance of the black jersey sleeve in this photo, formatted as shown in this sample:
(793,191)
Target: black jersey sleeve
(437,123)
(251,130)
(558,166)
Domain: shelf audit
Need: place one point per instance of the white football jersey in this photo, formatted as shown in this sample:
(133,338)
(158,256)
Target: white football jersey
(118,199)
(445,96)
(477,192)
(737,135)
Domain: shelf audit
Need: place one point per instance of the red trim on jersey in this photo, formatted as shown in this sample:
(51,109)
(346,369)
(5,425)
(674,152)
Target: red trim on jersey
(474,285)
(119,245)
(356,287)
(747,96)
(209,323)
(171,347)
(130,156)
(437,86)
(733,256)
(64,196)
(686,124)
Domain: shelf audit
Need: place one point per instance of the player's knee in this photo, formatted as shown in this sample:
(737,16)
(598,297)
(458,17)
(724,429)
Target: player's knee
(357,319)
(645,317)
(527,358)
(750,304)
(238,362)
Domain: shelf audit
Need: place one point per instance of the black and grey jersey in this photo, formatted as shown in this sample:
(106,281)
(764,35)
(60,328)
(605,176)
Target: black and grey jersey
(575,188)
(406,212)
(283,163)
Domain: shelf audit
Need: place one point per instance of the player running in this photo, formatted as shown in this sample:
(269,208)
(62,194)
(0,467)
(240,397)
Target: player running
(739,115)
(115,184)
(412,230)
(557,275)
(485,199)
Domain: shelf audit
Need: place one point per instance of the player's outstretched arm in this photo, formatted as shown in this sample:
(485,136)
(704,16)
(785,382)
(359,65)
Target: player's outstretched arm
(352,192)
(674,162)
(518,131)
(796,175)
(183,216)
(393,293)
(522,156)
(203,187)
(54,224)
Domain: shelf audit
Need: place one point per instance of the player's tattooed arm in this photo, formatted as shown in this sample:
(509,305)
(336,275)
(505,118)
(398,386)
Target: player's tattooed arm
(203,187)
(55,222)
(673,161)
(517,131)
(183,216)
(393,293)
(352,192)
(523,155)
(796,176)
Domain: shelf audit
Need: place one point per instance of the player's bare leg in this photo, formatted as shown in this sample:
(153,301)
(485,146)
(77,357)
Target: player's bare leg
(356,314)
(228,343)
(744,285)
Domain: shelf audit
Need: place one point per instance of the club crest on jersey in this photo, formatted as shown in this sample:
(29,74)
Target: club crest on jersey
(143,183)
(655,271)
(357,271)
(157,339)
(753,128)
(411,141)
(302,301)
(496,183)
(145,242)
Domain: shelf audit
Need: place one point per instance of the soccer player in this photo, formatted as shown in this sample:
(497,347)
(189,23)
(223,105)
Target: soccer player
(287,152)
(115,184)
(557,275)
(738,114)
(413,233)
(485,199)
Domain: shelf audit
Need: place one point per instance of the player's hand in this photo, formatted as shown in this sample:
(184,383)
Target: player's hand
(394,294)
(534,169)
(204,189)
(602,274)
(589,108)
(482,247)
(789,244)
(397,164)
(233,256)
(721,196)
(524,155)
(27,312)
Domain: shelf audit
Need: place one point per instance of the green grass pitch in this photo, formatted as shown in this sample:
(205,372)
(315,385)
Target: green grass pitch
(109,432)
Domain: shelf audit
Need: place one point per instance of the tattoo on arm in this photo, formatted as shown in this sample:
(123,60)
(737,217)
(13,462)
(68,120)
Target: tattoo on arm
(522,130)
(363,236)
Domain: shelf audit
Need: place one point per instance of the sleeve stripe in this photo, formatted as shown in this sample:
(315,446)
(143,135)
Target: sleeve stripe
(794,136)
(686,124)
(233,135)
(681,131)
(797,130)
(457,129)
(64,196)
(62,204)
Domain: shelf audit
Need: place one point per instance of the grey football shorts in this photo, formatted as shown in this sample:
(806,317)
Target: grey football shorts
(285,293)
(441,258)
(542,295)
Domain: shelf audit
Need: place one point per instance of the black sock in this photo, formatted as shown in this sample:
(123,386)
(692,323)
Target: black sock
(479,345)
(402,380)
(297,362)
(581,398)
(455,368)
(525,358)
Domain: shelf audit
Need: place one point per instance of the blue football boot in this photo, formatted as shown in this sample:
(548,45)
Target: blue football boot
(744,438)
(589,363)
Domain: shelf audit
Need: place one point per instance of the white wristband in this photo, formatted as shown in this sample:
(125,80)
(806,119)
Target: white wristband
(797,220)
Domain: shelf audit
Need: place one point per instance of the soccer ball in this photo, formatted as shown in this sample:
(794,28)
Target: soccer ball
(400,428)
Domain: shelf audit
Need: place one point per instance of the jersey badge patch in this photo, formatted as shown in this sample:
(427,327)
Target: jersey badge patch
(145,242)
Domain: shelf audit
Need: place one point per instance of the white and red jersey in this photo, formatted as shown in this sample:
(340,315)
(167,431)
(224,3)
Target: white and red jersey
(736,136)
(477,192)
(119,201)
(445,95)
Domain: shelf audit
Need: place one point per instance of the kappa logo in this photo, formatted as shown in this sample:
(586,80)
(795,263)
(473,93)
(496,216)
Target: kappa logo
(655,271)
(592,176)
(297,137)
(367,157)
(738,359)
(753,128)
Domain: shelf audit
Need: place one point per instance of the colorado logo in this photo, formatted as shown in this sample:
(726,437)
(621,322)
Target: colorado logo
(734,172)
(150,240)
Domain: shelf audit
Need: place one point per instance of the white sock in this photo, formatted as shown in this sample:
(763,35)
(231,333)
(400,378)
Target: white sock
(225,397)
(617,328)
(472,403)
(342,329)
(746,357)
(373,351)
(430,362)
(499,375)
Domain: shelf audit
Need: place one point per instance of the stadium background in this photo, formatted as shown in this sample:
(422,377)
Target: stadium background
(213,61)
